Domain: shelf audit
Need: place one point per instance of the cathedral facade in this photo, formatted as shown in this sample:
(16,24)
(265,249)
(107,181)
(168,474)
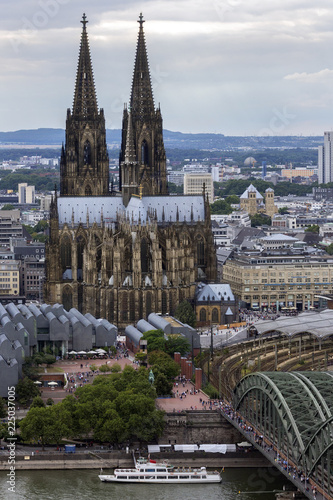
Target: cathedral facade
(122,255)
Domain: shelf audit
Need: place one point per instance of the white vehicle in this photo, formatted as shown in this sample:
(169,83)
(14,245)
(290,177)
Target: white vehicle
(149,471)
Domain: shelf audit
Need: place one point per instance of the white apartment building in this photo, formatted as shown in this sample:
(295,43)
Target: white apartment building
(193,184)
(325,159)
(26,194)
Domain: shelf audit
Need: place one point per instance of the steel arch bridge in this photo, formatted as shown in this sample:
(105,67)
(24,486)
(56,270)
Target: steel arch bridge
(294,411)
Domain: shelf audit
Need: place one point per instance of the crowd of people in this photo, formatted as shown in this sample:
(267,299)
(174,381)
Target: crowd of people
(296,473)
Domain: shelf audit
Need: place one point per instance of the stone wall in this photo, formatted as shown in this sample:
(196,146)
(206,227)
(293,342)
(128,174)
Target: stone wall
(194,427)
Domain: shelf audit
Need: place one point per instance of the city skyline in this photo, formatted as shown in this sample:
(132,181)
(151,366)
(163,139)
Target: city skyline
(230,67)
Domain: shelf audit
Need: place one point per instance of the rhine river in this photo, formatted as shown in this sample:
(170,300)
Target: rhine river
(237,484)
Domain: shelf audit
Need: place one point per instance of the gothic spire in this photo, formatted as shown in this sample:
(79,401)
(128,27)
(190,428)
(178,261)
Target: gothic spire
(142,101)
(130,155)
(85,102)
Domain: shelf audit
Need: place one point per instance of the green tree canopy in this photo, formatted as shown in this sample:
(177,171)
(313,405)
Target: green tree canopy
(260,220)
(314,228)
(3,408)
(232,199)
(329,249)
(37,402)
(177,343)
(165,363)
(185,313)
(220,207)
(283,210)
(115,408)
(26,390)
(155,340)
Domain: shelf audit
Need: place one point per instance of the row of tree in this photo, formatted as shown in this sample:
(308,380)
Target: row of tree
(115,408)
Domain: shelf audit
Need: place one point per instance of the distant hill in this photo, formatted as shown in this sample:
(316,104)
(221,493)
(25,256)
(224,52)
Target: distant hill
(177,140)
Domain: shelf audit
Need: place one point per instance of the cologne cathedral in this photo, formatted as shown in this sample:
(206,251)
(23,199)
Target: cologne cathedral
(122,254)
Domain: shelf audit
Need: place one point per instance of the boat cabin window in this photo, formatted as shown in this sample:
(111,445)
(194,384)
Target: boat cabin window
(161,470)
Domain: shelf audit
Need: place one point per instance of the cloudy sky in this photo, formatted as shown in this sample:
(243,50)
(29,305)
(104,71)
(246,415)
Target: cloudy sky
(237,67)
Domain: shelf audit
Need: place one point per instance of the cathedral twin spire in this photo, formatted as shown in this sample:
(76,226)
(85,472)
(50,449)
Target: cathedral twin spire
(84,168)
(142,101)
(85,102)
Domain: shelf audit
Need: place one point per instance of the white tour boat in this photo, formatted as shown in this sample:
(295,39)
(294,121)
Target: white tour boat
(149,471)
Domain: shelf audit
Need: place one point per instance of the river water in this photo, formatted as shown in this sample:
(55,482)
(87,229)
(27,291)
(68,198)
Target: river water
(237,484)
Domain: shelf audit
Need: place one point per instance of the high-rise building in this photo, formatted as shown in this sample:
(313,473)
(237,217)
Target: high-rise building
(26,194)
(122,255)
(196,183)
(325,159)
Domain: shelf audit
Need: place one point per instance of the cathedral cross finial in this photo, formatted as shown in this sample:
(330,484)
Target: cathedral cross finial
(84,21)
(141,21)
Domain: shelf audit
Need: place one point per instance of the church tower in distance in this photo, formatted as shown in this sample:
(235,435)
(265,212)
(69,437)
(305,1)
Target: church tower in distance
(84,163)
(142,156)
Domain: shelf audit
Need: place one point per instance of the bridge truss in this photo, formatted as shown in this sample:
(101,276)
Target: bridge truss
(294,411)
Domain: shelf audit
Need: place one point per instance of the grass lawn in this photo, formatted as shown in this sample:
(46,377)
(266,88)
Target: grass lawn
(50,369)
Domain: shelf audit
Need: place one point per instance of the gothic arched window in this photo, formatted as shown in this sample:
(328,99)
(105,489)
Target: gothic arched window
(66,253)
(145,256)
(200,251)
(87,153)
(144,152)
(124,307)
(164,302)
(111,306)
(215,315)
(203,315)
(148,304)
(171,303)
(88,191)
(132,307)
(98,254)
(80,250)
(67,298)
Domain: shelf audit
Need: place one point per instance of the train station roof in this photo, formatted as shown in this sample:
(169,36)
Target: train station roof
(318,324)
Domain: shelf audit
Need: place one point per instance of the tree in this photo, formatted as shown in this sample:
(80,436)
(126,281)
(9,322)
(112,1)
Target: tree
(104,368)
(8,206)
(185,314)
(177,343)
(141,357)
(41,226)
(232,199)
(3,409)
(314,228)
(37,402)
(165,363)
(37,426)
(155,340)
(26,390)
(115,408)
(29,369)
(260,220)
(115,368)
(283,210)
(220,207)
(162,385)
(329,249)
